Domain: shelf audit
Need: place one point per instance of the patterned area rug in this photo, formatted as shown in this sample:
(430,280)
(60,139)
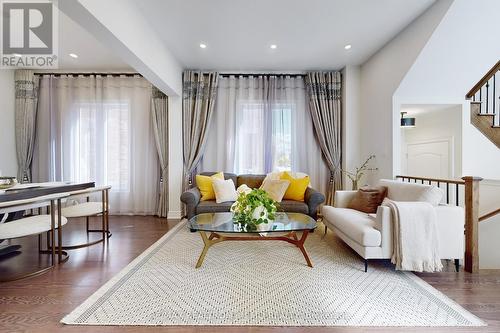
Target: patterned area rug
(264,284)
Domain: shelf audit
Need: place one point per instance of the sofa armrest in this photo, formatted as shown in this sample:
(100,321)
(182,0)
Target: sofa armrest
(383,223)
(191,198)
(342,198)
(313,199)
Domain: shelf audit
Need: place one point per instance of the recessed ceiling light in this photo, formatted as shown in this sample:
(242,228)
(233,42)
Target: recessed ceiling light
(203,46)
(348,47)
(72,55)
(16,55)
(273,46)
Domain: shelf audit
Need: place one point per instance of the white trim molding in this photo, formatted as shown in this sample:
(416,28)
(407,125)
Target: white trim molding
(174,215)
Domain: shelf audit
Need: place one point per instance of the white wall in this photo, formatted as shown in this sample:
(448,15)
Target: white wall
(434,122)
(381,76)
(8,159)
(462,49)
(489,230)
(351,120)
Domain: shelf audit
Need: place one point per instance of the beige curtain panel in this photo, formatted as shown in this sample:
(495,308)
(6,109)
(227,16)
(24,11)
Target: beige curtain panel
(324,92)
(159,113)
(26,85)
(199,94)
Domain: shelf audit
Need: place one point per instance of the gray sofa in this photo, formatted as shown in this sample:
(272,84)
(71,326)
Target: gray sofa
(194,206)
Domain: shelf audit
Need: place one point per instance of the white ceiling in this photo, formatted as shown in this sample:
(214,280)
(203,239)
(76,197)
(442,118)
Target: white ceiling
(310,34)
(92,55)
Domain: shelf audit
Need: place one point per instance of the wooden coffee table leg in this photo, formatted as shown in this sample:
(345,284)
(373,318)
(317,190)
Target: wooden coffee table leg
(206,245)
(300,245)
(214,238)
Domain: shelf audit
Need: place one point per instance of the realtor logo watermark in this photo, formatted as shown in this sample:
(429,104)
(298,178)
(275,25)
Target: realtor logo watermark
(29,34)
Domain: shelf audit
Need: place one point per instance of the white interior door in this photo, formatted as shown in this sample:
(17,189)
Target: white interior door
(430,159)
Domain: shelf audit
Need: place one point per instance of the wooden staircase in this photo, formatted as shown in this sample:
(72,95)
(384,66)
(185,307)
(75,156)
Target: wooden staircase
(485,105)
(485,123)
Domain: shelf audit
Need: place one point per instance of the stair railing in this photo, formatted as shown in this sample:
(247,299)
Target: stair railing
(489,215)
(487,93)
(460,192)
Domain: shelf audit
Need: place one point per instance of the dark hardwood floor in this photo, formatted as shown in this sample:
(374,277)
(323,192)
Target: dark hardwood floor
(37,304)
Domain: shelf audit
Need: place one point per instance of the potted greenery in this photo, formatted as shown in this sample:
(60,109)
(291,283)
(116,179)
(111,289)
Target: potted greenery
(254,209)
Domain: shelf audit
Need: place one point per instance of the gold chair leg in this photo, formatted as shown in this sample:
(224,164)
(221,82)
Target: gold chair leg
(59,232)
(107,214)
(103,217)
(52,232)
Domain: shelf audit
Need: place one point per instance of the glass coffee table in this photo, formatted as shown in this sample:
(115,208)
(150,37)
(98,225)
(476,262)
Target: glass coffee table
(218,227)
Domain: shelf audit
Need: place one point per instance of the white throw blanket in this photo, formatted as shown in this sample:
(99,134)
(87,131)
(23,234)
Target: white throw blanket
(415,236)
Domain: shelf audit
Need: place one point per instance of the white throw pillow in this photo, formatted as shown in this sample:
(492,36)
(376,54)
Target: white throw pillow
(276,175)
(224,190)
(401,191)
(243,188)
(275,188)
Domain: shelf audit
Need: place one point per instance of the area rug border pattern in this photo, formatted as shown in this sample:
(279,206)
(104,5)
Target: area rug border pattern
(84,310)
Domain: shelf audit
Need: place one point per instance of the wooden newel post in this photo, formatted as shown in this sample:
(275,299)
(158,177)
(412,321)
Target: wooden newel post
(472,223)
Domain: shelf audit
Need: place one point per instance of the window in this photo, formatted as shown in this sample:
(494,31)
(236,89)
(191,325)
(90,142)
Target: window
(263,137)
(103,138)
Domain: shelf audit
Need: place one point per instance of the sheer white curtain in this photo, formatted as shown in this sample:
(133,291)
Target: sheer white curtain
(262,124)
(98,128)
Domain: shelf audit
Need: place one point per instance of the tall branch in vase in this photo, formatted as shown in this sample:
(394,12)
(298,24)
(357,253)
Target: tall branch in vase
(355,176)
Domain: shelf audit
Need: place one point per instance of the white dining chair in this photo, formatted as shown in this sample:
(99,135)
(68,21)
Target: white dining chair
(88,209)
(36,225)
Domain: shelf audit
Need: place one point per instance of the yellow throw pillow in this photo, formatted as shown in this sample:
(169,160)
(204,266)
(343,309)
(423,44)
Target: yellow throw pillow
(205,186)
(297,187)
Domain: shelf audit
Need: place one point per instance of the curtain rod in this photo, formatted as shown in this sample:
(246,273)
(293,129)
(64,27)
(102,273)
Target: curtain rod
(90,74)
(259,74)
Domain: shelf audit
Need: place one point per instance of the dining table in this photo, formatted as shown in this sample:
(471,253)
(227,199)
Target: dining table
(33,190)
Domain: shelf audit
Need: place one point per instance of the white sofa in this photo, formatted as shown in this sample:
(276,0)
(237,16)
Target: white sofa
(370,235)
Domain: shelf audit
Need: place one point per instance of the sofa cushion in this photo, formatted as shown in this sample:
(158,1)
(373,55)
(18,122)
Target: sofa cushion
(292,206)
(275,188)
(227,175)
(210,206)
(358,226)
(204,184)
(224,190)
(401,191)
(276,175)
(252,181)
(367,199)
(297,187)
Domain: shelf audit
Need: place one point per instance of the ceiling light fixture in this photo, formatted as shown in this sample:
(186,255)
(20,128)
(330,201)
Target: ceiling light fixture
(72,55)
(407,122)
(203,46)
(348,47)
(273,46)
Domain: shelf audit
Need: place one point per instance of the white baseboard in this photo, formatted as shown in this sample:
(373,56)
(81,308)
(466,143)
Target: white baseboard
(175,215)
